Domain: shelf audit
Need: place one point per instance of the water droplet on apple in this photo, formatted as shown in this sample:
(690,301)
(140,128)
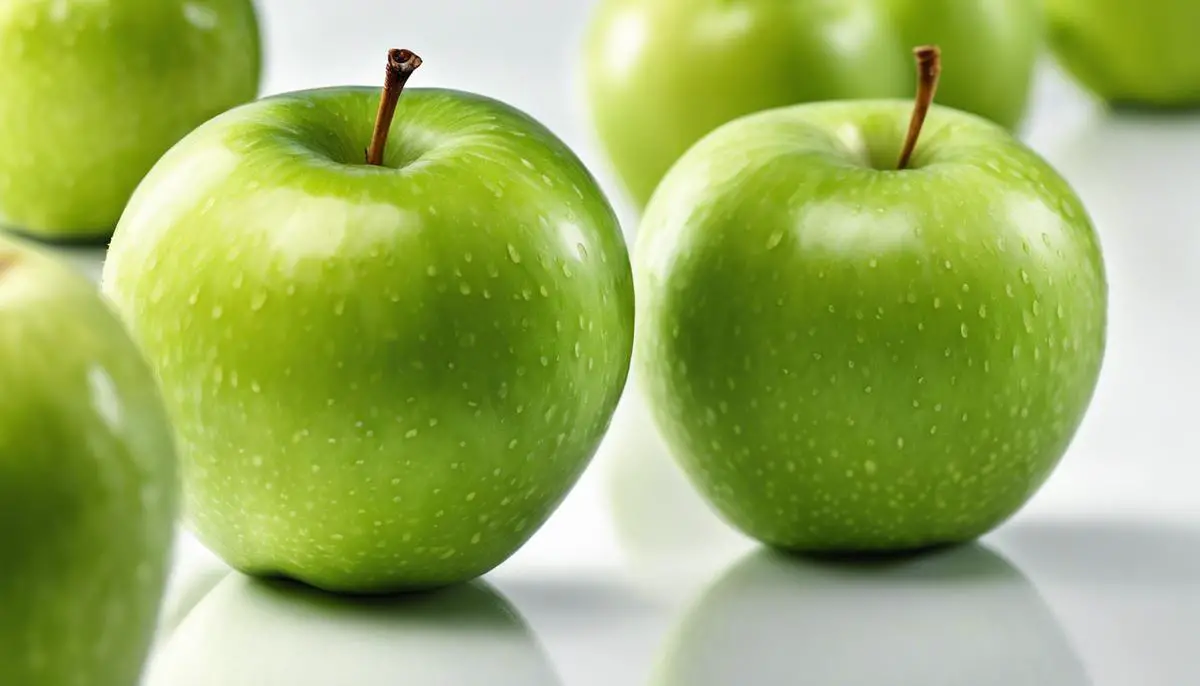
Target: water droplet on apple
(963,330)
(545,293)
(1024,276)
(774,239)
(513,255)
(464,288)
(258,300)
(339,308)
(217,311)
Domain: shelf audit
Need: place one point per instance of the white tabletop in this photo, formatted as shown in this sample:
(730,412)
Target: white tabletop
(633,581)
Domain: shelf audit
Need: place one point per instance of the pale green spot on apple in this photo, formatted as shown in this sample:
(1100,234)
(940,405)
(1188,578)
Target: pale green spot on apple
(787,271)
(95,92)
(87,482)
(1130,54)
(661,74)
(389,386)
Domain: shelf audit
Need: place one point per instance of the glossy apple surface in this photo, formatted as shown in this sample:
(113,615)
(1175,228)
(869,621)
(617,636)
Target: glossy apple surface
(991,50)
(846,357)
(87,482)
(1130,54)
(661,74)
(93,93)
(383,378)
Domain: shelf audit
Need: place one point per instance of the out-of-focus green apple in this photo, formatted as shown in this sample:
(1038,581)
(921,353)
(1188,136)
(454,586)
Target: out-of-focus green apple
(1140,54)
(663,73)
(87,489)
(383,377)
(964,616)
(847,356)
(249,632)
(93,93)
(992,46)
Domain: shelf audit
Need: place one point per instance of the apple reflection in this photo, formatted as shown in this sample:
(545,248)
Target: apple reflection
(250,632)
(662,523)
(961,616)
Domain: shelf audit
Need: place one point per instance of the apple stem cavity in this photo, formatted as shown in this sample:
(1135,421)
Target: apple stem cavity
(401,65)
(929,70)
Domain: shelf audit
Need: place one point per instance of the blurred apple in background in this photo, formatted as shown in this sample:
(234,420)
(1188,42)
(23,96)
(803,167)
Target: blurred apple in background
(991,47)
(87,483)
(964,616)
(384,377)
(248,632)
(848,356)
(1140,54)
(663,73)
(93,93)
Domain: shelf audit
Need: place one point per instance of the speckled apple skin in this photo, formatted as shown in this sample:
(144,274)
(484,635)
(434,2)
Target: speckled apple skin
(87,483)
(383,378)
(846,359)
(93,93)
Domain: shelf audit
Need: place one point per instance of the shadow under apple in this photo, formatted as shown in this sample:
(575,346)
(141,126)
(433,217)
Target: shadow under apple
(251,632)
(953,617)
(1127,589)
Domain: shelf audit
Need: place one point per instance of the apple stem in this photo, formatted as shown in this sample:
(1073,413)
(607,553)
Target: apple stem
(929,69)
(401,65)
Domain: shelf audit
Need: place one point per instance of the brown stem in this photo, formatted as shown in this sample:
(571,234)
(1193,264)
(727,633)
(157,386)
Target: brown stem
(401,65)
(929,69)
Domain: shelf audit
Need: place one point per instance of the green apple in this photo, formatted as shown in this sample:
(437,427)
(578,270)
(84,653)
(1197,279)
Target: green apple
(993,48)
(1130,54)
(87,482)
(847,356)
(250,632)
(661,74)
(964,616)
(93,93)
(383,377)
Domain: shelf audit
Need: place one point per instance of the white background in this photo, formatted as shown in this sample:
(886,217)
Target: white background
(1112,543)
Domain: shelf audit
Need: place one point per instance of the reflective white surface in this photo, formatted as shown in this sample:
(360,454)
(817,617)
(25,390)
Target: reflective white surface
(635,582)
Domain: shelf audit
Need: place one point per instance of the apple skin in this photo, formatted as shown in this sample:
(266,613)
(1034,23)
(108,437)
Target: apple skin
(1130,54)
(991,50)
(96,92)
(961,616)
(87,482)
(660,74)
(849,358)
(383,378)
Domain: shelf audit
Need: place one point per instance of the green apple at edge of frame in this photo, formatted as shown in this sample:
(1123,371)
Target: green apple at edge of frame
(992,49)
(1130,54)
(660,74)
(849,357)
(87,482)
(384,378)
(93,93)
